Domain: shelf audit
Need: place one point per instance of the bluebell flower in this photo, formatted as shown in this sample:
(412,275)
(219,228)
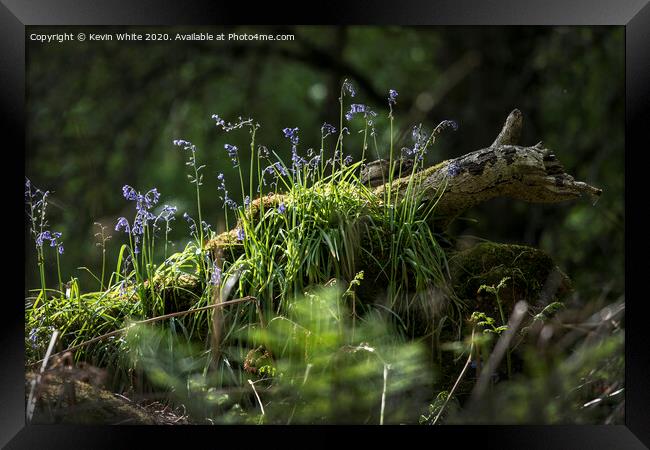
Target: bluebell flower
(52,237)
(123,224)
(357,108)
(240,234)
(28,188)
(227,127)
(297,160)
(215,279)
(281,208)
(143,203)
(191,222)
(166,214)
(218,120)
(315,161)
(392,96)
(129,193)
(292,135)
(232,154)
(247,201)
(33,336)
(275,169)
(348,160)
(327,129)
(150,198)
(347,86)
(230,203)
(45,235)
(453,169)
(448,124)
(227,201)
(123,288)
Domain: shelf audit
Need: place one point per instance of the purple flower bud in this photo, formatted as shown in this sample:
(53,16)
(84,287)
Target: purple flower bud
(392,96)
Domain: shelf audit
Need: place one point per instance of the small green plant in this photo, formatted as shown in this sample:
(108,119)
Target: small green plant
(504,324)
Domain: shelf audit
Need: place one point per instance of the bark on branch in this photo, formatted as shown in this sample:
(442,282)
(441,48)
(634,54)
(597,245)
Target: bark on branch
(533,174)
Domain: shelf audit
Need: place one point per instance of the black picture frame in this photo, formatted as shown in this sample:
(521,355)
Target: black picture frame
(634,15)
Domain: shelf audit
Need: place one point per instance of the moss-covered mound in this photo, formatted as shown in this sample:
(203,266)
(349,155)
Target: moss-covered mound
(532,276)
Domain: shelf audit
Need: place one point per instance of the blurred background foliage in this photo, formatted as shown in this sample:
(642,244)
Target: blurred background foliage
(104,114)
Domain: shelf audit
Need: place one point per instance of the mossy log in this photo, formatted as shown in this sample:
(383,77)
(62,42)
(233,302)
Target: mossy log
(504,169)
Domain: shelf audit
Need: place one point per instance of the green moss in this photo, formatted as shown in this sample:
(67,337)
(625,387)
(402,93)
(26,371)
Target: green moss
(179,291)
(534,277)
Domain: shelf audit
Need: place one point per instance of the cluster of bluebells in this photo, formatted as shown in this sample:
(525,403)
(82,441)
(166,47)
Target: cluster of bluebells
(357,108)
(314,159)
(420,139)
(392,97)
(297,161)
(167,214)
(143,205)
(227,201)
(227,127)
(292,135)
(444,125)
(36,201)
(232,154)
(419,144)
(327,129)
(275,170)
(347,87)
(188,146)
(192,223)
(53,237)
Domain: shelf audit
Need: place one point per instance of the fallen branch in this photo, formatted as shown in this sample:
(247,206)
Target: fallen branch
(533,174)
